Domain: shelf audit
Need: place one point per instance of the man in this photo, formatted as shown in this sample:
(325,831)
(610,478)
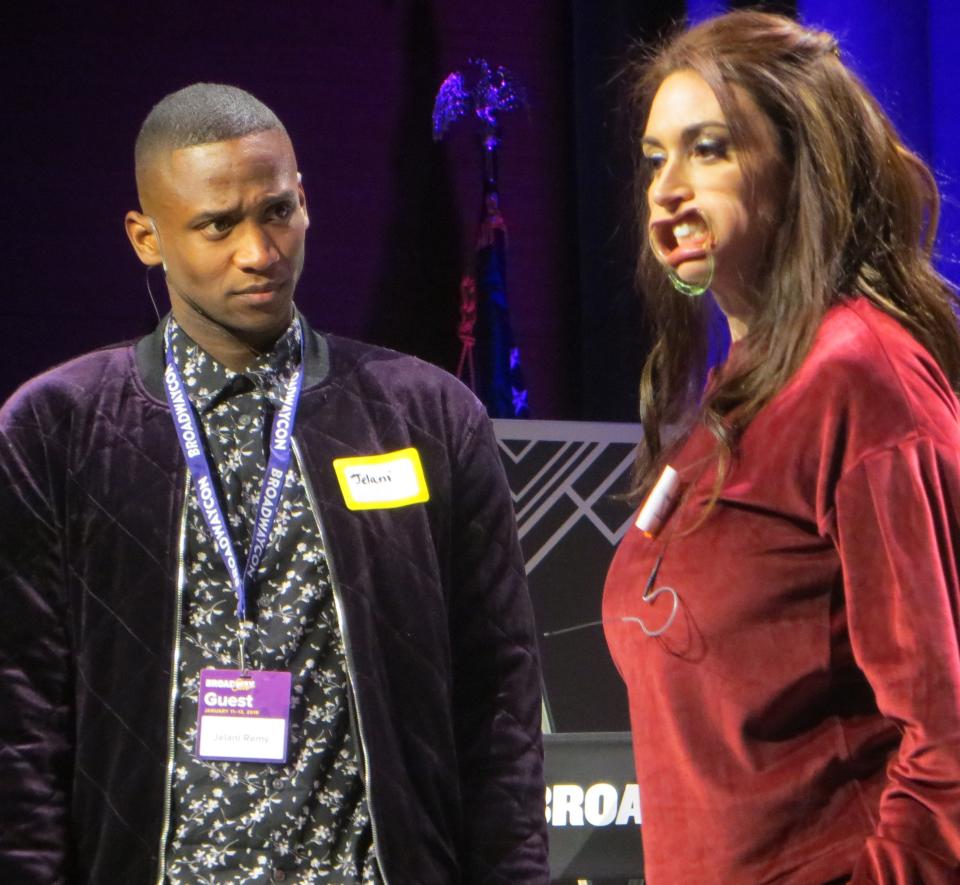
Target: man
(262,607)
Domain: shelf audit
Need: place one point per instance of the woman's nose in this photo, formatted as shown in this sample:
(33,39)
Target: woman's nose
(671,187)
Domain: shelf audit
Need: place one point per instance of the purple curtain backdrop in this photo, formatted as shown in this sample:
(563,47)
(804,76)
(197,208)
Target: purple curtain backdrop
(393,215)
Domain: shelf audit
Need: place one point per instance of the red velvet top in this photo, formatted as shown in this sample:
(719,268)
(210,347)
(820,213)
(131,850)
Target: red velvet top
(800,719)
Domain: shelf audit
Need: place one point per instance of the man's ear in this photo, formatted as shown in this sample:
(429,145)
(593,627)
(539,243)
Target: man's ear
(143,237)
(302,198)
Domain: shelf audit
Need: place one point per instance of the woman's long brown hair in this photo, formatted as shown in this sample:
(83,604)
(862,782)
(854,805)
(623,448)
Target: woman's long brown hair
(859,218)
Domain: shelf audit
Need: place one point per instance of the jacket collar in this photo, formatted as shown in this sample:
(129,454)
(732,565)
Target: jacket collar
(149,355)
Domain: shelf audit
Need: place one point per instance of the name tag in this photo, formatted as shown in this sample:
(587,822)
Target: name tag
(373,482)
(243,717)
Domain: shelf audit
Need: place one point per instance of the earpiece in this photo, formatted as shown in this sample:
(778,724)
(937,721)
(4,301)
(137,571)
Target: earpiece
(156,232)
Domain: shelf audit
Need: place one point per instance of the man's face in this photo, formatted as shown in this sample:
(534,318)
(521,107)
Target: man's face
(229,220)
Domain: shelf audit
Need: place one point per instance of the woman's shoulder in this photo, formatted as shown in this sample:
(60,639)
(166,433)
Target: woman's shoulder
(866,375)
(856,334)
(871,352)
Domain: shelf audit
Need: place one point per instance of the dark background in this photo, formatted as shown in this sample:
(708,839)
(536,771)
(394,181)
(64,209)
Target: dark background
(393,214)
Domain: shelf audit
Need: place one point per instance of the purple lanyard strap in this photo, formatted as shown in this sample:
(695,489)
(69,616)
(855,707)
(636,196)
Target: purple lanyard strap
(271,491)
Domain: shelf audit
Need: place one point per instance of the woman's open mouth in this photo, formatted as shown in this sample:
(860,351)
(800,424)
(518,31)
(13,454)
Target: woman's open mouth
(685,238)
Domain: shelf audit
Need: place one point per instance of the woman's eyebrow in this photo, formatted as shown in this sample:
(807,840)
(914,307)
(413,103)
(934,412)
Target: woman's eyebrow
(688,134)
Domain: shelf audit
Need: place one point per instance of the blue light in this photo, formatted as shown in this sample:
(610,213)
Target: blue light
(699,10)
(906,51)
(945,127)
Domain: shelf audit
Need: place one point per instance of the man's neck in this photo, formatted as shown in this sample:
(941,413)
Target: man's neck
(230,348)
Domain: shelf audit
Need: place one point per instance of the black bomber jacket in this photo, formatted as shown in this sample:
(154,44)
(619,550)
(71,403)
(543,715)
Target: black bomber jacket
(436,620)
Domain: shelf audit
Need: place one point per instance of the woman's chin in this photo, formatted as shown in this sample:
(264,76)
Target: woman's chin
(698,272)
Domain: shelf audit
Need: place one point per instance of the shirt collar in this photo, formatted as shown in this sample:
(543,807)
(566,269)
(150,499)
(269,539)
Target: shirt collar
(208,382)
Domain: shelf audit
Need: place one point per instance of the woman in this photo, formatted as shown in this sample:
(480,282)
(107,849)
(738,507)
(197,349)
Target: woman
(787,625)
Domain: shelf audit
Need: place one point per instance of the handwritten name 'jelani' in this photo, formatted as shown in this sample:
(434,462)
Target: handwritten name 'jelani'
(366,478)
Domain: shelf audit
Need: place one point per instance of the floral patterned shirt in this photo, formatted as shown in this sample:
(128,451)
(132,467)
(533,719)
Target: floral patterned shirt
(240,822)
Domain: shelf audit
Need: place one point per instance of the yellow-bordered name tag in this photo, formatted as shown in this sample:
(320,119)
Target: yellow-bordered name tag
(375,482)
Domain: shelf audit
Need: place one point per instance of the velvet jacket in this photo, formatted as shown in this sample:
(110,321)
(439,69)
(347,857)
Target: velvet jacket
(799,721)
(436,620)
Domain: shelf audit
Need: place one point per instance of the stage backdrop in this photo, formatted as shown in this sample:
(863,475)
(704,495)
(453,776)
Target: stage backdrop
(392,214)
(567,479)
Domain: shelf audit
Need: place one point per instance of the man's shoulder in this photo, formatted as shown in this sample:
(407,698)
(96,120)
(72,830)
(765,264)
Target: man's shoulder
(80,380)
(372,368)
(373,389)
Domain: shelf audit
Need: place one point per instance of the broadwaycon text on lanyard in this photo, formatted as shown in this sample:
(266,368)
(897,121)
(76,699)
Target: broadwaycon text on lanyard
(271,490)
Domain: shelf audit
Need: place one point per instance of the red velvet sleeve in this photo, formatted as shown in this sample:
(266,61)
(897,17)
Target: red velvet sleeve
(897,516)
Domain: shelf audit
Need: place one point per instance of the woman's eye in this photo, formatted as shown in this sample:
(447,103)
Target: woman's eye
(653,161)
(710,148)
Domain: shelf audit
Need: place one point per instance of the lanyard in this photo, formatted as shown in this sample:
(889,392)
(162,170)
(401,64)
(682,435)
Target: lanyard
(271,491)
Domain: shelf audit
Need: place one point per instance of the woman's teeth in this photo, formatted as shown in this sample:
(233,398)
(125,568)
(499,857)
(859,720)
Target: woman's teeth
(686,230)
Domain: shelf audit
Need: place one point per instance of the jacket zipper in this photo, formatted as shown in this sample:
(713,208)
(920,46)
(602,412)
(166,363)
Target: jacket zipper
(174,684)
(175,672)
(348,657)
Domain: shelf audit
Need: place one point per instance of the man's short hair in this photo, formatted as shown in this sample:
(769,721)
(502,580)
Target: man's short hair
(200,114)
